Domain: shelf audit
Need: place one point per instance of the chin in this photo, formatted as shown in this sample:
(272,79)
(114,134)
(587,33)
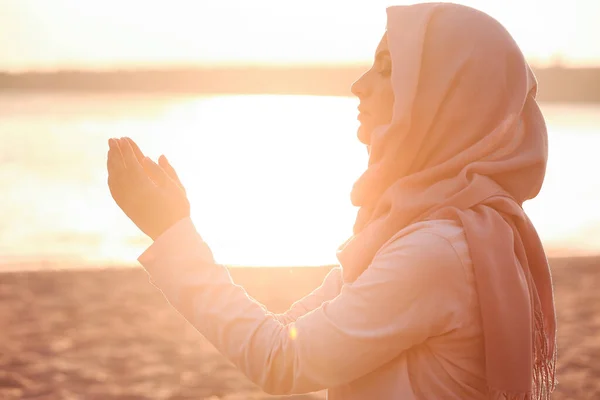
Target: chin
(364,134)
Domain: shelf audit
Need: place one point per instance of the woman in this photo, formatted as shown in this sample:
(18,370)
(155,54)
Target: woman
(444,290)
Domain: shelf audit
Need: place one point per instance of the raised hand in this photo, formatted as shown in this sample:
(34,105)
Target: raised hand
(162,161)
(151,195)
(168,168)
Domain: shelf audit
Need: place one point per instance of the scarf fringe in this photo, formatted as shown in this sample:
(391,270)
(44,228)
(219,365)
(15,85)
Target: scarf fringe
(545,356)
(544,368)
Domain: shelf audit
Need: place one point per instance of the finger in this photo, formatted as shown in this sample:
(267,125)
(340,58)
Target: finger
(114,161)
(136,150)
(158,174)
(139,155)
(131,162)
(168,168)
(116,171)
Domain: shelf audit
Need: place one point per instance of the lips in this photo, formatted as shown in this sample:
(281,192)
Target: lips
(363,133)
(362,113)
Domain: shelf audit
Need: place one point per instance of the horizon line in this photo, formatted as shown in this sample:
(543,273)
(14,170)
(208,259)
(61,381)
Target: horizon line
(240,66)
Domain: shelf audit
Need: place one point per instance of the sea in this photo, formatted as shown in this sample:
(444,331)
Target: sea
(268,176)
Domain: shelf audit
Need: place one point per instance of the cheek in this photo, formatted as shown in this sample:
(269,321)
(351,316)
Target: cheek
(385,103)
(388,102)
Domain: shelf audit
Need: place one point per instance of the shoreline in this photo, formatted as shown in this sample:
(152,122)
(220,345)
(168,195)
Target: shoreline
(556,83)
(557,258)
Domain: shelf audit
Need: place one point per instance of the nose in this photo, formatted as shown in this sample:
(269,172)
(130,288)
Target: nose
(359,87)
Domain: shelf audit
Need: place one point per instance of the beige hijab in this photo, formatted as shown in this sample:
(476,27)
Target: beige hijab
(467,142)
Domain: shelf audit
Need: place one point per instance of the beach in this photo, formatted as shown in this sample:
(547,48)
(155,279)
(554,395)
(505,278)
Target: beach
(109,334)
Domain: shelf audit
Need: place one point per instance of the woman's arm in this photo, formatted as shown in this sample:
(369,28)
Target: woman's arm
(329,289)
(408,294)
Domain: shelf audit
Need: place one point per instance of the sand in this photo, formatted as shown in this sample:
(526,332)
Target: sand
(109,334)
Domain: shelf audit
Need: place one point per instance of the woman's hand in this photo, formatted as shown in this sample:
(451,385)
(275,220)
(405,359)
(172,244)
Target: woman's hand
(150,194)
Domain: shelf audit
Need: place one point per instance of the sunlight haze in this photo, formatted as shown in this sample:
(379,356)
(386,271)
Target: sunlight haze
(80,34)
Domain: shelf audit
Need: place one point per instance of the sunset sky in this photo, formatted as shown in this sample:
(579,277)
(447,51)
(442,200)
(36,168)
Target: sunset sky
(55,34)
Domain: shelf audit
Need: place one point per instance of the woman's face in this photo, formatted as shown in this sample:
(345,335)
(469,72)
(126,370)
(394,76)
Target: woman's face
(374,90)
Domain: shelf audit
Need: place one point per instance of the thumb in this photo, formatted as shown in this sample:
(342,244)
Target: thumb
(168,168)
(158,174)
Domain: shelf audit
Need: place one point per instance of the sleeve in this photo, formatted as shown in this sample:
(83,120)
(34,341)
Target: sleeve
(183,230)
(409,293)
(328,290)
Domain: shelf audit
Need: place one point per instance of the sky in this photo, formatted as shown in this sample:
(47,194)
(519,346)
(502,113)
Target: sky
(92,34)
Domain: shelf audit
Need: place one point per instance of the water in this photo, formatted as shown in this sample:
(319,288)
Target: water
(268,176)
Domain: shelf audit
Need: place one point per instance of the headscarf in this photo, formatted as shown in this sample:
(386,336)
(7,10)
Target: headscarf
(467,142)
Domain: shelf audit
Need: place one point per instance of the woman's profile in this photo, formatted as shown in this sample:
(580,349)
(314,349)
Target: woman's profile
(443,290)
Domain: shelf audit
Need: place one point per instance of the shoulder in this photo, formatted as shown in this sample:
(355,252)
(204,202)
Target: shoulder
(434,231)
(439,237)
(434,252)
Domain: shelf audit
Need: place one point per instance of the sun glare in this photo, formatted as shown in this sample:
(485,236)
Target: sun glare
(271,181)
